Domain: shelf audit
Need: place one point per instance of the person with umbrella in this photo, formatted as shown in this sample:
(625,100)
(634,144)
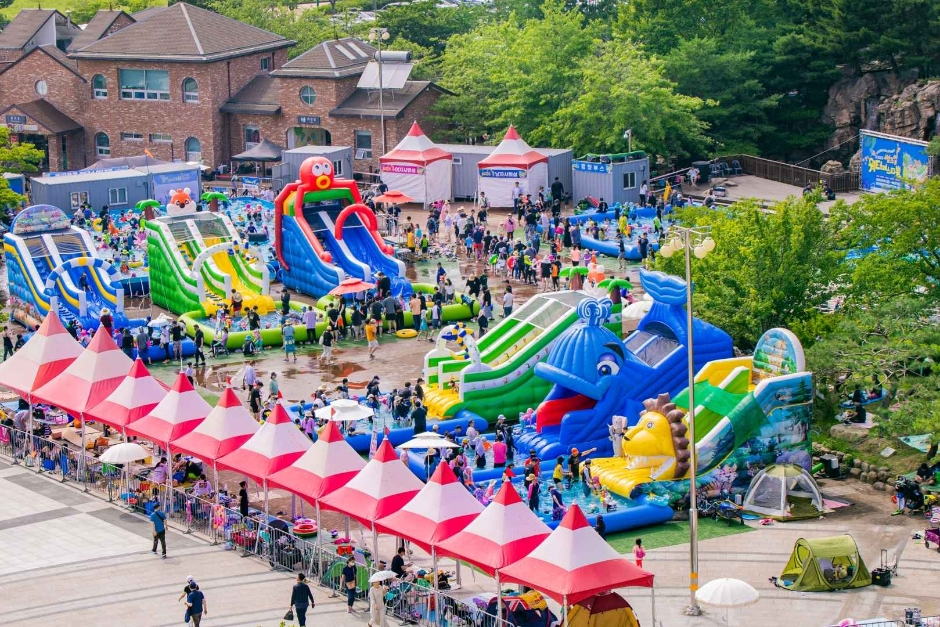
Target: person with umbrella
(377,598)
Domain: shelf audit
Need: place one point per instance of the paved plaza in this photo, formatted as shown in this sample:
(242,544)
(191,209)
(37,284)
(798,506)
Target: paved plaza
(67,558)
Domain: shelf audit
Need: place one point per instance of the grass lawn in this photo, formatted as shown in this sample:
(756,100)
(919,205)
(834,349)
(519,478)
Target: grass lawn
(673,533)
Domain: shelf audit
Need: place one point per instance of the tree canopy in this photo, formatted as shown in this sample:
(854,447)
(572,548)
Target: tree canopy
(19,158)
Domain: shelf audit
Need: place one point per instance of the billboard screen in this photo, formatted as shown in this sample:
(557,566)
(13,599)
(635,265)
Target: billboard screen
(890,162)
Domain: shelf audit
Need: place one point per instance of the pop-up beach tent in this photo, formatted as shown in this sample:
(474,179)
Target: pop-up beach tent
(512,162)
(418,168)
(824,564)
(784,492)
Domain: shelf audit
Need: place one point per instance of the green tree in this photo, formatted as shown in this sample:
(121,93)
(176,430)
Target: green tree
(428,25)
(19,158)
(769,269)
(736,104)
(898,234)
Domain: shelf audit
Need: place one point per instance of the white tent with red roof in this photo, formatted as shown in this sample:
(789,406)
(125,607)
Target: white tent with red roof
(180,411)
(441,509)
(88,380)
(273,447)
(503,534)
(575,563)
(45,356)
(135,397)
(419,168)
(512,162)
(226,427)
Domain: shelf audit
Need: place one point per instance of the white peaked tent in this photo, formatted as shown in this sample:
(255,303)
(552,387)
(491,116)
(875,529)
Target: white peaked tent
(513,161)
(774,487)
(417,167)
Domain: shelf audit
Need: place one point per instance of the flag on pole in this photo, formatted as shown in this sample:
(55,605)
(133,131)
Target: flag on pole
(374,444)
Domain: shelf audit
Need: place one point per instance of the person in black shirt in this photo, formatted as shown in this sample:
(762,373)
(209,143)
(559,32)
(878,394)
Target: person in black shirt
(200,341)
(301,599)
(399,566)
(176,334)
(348,581)
(285,302)
(602,206)
(484,324)
(243,498)
(419,418)
(254,400)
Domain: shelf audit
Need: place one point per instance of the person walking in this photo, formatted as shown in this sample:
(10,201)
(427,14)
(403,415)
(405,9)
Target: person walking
(274,388)
(196,602)
(507,302)
(250,376)
(287,333)
(7,346)
(326,341)
(347,581)
(158,520)
(639,552)
(377,605)
(301,599)
(199,339)
(285,302)
(143,345)
(243,499)
(190,586)
(371,338)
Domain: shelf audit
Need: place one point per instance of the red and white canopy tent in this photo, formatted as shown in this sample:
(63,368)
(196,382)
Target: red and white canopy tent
(441,509)
(326,466)
(419,168)
(136,396)
(383,487)
(273,447)
(88,380)
(45,356)
(226,427)
(503,534)
(513,161)
(575,563)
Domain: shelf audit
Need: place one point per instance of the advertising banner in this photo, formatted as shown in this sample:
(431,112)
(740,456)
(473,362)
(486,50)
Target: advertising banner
(503,173)
(890,162)
(402,168)
(163,183)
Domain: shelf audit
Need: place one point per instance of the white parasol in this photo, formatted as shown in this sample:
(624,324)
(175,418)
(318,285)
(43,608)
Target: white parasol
(382,575)
(727,593)
(343,410)
(124,453)
(419,442)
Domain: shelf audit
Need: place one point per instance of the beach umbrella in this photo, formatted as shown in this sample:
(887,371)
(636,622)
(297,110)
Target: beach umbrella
(131,400)
(727,593)
(419,443)
(124,453)
(393,196)
(351,286)
(582,270)
(343,410)
(273,447)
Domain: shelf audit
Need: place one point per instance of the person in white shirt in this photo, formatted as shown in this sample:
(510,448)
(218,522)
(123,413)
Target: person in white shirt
(507,302)
(644,192)
(251,376)
(202,487)
(310,322)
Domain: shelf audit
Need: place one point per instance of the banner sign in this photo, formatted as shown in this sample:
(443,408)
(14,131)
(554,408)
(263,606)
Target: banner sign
(251,182)
(503,173)
(117,168)
(313,120)
(890,162)
(163,183)
(590,166)
(402,168)
(16,119)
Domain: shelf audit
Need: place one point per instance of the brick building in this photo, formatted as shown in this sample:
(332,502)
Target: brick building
(183,83)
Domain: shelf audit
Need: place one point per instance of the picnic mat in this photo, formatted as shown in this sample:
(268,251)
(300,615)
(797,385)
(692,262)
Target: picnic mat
(917,442)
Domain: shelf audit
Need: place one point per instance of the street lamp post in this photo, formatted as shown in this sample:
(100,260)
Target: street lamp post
(378,35)
(695,241)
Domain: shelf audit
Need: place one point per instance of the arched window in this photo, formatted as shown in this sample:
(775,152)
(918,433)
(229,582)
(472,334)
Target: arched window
(308,95)
(190,90)
(100,84)
(102,145)
(193,149)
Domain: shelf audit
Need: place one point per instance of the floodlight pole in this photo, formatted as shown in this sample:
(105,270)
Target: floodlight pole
(378,35)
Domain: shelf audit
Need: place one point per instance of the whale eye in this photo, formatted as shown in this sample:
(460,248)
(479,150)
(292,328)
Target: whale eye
(607,366)
(317,169)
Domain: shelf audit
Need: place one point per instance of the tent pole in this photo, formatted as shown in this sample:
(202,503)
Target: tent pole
(458,572)
(347,527)
(499,601)
(264,487)
(82,459)
(653,601)
(564,610)
(169,475)
(29,435)
(437,594)
(375,544)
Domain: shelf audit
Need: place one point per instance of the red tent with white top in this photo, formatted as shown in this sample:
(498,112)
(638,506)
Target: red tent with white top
(442,508)
(419,168)
(273,447)
(226,427)
(131,400)
(503,534)
(45,356)
(575,563)
(512,162)
(326,466)
(180,411)
(88,380)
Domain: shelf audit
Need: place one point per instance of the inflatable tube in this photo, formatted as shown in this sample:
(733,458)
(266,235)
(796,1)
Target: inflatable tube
(464,307)
(236,336)
(406,333)
(305,529)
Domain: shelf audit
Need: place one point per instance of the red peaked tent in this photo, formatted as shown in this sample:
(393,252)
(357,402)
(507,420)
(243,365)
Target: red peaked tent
(379,489)
(273,447)
(90,379)
(180,411)
(512,161)
(503,534)
(442,508)
(226,427)
(419,168)
(575,563)
(45,356)
(133,399)
(326,466)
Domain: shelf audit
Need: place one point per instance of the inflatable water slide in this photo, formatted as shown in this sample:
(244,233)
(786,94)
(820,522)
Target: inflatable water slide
(196,261)
(47,258)
(495,374)
(594,375)
(324,234)
(749,412)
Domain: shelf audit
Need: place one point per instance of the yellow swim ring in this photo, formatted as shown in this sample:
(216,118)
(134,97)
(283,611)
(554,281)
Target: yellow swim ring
(406,333)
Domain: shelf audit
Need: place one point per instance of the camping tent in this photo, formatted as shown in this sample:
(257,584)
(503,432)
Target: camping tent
(417,167)
(605,609)
(824,564)
(513,161)
(784,492)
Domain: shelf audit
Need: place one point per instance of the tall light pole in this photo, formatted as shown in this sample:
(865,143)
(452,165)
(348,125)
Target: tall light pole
(695,241)
(378,35)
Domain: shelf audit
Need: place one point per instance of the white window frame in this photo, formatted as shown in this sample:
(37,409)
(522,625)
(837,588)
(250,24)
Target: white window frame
(366,153)
(132,137)
(192,156)
(99,93)
(161,138)
(149,95)
(77,199)
(191,97)
(300,95)
(102,151)
(458,161)
(265,64)
(115,194)
(629,175)
(338,168)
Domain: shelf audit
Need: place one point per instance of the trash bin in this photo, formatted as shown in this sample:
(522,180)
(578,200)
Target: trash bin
(704,169)
(832,465)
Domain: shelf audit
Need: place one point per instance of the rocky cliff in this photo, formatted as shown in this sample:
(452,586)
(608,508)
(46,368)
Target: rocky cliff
(914,113)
